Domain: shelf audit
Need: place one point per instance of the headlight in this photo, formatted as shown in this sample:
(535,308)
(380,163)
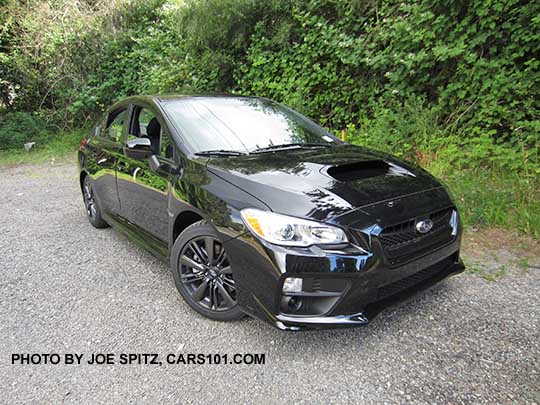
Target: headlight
(290,231)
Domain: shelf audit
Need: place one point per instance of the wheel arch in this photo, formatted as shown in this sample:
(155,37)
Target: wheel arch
(182,221)
(82,176)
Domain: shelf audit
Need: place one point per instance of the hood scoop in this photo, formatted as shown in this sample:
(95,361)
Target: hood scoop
(366,169)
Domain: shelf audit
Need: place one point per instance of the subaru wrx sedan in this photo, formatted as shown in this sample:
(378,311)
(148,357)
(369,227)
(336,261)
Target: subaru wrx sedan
(261,211)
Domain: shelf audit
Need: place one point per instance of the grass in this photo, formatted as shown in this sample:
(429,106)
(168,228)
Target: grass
(62,147)
(487,275)
(492,253)
(523,263)
(495,183)
(493,198)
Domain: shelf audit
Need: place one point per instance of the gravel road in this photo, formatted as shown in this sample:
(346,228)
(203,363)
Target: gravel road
(69,288)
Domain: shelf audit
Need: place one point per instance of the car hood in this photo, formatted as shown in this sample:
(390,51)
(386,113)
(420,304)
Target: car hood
(327,183)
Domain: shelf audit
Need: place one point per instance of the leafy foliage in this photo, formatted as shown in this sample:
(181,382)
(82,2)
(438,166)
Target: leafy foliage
(17,128)
(454,86)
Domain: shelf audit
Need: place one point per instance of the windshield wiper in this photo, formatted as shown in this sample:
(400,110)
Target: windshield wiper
(220,152)
(287,146)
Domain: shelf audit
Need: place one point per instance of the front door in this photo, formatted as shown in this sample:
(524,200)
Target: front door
(144,193)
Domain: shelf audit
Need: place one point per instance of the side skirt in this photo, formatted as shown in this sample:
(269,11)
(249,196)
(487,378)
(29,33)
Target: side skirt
(139,236)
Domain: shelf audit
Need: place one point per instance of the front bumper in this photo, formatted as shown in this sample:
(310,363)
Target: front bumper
(403,290)
(352,286)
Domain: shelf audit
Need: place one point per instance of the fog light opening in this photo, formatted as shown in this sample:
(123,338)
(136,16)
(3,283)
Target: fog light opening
(294,304)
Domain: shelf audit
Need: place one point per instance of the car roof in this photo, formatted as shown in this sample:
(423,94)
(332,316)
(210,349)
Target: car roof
(166,97)
(157,98)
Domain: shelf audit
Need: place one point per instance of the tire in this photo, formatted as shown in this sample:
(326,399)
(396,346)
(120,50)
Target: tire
(205,283)
(93,211)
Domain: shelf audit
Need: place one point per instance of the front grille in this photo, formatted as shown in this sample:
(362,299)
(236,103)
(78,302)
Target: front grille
(405,283)
(404,240)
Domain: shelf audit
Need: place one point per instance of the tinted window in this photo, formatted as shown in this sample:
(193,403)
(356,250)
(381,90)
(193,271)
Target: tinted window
(145,116)
(146,125)
(241,124)
(166,146)
(115,125)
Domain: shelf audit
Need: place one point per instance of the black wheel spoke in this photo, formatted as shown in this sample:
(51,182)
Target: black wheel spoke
(209,247)
(198,294)
(229,283)
(187,261)
(192,277)
(221,257)
(206,274)
(214,297)
(225,295)
(197,250)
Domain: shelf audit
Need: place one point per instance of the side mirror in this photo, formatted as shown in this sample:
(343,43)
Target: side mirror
(139,148)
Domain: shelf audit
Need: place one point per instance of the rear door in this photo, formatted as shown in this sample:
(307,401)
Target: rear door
(104,150)
(144,193)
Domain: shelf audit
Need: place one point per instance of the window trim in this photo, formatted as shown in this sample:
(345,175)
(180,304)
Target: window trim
(110,117)
(135,108)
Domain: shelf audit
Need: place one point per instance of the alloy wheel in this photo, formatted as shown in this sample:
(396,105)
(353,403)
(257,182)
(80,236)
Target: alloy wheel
(206,274)
(89,200)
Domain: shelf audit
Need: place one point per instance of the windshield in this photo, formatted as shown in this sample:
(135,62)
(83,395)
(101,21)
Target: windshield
(241,124)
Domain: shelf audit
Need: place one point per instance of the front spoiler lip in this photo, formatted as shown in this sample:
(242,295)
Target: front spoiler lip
(287,322)
(295,323)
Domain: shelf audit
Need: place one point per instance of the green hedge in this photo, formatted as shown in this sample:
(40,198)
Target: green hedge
(17,128)
(451,85)
(457,79)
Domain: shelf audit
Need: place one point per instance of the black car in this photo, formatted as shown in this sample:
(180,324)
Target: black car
(260,211)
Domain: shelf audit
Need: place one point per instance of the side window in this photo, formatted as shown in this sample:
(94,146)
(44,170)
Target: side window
(146,125)
(145,116)
(115,125)
(140,125)
(166,147)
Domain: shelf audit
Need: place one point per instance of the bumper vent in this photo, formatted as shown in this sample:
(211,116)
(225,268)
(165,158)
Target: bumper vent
(433,272)
(303,264)
(404,240)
